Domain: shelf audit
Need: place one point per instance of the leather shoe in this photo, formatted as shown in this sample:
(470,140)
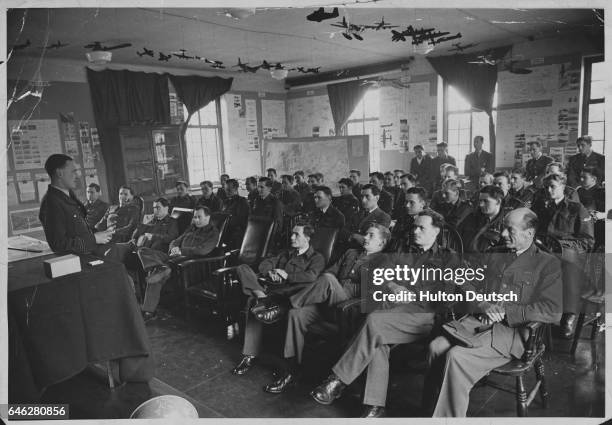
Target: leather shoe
(568,325)
(373,412)
(244,365)
(329,390)
(148,315)
(281,384)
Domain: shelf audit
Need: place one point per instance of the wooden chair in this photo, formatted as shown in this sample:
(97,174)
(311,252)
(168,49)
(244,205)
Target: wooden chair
(533,339)
(183,217)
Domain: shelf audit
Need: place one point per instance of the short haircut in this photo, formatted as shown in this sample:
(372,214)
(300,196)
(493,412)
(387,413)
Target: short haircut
(181,182)
(55,162)
(586,138)
(437,220)
(411,177)
(454,185)
(556,164)
(129,189)
(94,186)
(309,230)
(442,145)
(520,171)
(419,191)
(288,177)
(355,172)
(388,173)
(224,175)
(536,143)
(298,173)
(379,176)
(162,201)
(501,174)
(418,148)
(530,220)
(265,181)
(452,167)
(203,208)
(271,170)
(485,175)
(479,138)
(399,171)
(206,183)
(560,178)
(313,176)
(375,190)
(251,180)
(319,176)
(326,190)
(493,191)
(233,183)
(594,171)
(385,233)
(346,181)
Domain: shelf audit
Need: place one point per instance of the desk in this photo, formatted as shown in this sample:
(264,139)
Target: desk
(59,326)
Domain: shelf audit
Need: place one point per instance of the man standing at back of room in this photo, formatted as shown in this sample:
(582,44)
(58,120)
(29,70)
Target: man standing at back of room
(477,162)
(536,166)
(442,158)
(584,158)
(276,185)
(420,167)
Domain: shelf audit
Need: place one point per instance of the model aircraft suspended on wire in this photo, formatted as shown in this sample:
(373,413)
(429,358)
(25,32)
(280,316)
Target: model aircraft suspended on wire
(458,47)
(350,30)
(435,41)
(181,54)
(146,52)
(57,45)
(244,67)
(97,46)
(382,25)
(320,15)
(164,58)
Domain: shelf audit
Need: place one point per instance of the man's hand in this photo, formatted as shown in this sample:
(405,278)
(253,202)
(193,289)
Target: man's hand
(103,237)
(494,312)
(141,240)
(175,251)
(283,274)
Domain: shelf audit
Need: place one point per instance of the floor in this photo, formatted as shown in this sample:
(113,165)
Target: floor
(194,360)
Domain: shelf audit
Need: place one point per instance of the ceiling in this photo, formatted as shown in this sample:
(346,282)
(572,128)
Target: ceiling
(277,34)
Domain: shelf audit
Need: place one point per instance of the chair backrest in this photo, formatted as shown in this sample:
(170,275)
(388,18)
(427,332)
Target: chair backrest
(138,200)
(450,238)
(256,240)
(549,244)
(323,241)
(220,221)
(183,217)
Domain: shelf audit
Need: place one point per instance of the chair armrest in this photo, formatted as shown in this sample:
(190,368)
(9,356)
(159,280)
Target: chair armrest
(200,260)
(349,304)
(224,270)
(348,317)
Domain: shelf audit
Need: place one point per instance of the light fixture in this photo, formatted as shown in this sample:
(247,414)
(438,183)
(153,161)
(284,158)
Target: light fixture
(99,57)
(279,74)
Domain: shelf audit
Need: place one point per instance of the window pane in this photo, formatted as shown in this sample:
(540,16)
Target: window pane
(596,130)
(598,89)
(211,154)
(456,102)
(597,112)
(208,114)
(354,128)
(480,127)
(598,71)
(598,146)
(371,103)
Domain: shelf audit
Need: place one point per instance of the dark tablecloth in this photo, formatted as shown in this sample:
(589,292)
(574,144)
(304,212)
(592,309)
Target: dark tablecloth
(59,326)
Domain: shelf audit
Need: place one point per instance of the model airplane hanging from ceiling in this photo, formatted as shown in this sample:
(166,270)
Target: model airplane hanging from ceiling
(164,58)
(57,45)
(97,46)
(382,25)
(320,15)
(350,30)
(21,46)
(146,52)
(244,67)
(458,47)
(435,41)
(181,54)
(308,70)
(410,31)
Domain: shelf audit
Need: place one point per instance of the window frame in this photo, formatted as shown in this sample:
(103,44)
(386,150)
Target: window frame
(586,93)
(363,120)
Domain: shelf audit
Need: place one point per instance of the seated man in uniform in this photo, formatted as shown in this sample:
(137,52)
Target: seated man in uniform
(370,213)
(285,274)
(520,189)
(453,209)
(534,277)
(482,228)
(238,207)
(183,198)
(402,236)
(197,241)
(392,322)
(290,198)
(355,175)
(586,157)
(95,206)
(208,198)
(385,201)
(325,215)
(276,185)
(340,282)
(123,217)
(250,184)
(222,191)
(63,215)
(406,181)
(267,205)
(346,203)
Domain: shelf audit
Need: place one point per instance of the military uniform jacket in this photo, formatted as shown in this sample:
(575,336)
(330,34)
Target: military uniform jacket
(303,268)
(162,232)
(525,195)
(348,205)
(186,201)
(127,218)
(64,223)
(357,190)
(385,201)
(363,219)
(197,241)
(578,162)
(221,194)
(567,221)
(593,198)
(214,203)
(422,171)
(479,233)
(402,235)
(268,207)
(536,168)
(535,277)
(276,188)
(292,201)
(332,218)
(474,164)
(454,214)
(95,211)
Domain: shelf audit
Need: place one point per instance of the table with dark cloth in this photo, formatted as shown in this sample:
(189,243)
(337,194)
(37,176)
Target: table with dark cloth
(57,327)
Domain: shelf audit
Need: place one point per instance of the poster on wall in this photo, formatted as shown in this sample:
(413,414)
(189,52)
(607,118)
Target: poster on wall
(26,187)
(24,221)
(556,152)
(404,133)
(569,79)
(33,141)
(91,176)
(68,126)
(72,148)
(42,184)
(83,129)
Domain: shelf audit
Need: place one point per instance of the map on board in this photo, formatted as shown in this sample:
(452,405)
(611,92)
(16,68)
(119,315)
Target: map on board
(329,157)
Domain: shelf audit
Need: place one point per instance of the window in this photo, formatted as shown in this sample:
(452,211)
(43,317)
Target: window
(364,120)
(463,124)
(593,107)
(204,144)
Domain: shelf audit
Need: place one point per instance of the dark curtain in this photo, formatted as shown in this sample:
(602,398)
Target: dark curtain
(196,92)
(125,98)
(475,82)
(343,98)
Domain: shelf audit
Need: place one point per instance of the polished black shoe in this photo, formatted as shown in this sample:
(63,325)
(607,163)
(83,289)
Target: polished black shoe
(244,365)
(148,315)
(281,384)
(568,325)
(373,412)
(329,390)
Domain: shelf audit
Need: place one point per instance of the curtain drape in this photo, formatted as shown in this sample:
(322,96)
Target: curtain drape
(125,98)
(343,98)
(475,82)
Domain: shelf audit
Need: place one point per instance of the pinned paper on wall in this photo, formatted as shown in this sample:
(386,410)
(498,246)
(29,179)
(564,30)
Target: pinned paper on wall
(72,148)
(88,153)
(68,125)
(11,192)
(237,101)
(91,176)
(33,141)
(83,129)
(26,187)
(24,221)
(42,184)
(556,152)
(95,139)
